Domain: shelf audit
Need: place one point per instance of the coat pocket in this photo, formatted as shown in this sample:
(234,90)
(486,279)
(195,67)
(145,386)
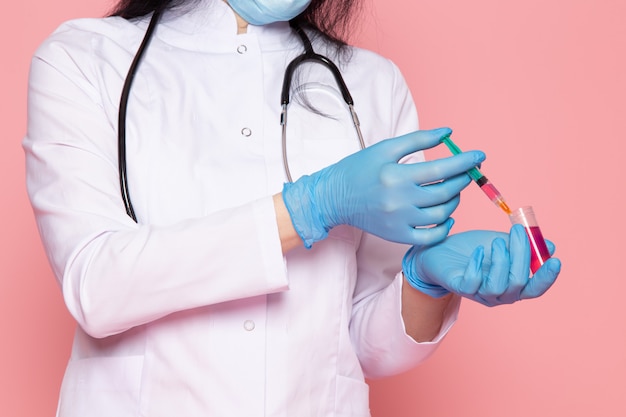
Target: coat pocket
(94,387)
(352,398)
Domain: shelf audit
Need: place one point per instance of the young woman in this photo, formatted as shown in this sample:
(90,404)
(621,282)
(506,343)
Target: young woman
(218,286)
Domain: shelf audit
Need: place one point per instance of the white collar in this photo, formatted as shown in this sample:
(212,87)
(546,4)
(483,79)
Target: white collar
(211,26)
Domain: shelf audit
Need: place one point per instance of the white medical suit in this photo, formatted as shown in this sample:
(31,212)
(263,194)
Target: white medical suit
(195,311)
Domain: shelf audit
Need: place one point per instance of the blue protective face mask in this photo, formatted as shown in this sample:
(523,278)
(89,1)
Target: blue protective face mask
(263,12)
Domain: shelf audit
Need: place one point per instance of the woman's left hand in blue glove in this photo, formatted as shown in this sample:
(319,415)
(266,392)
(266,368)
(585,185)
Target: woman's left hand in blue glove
(491,268)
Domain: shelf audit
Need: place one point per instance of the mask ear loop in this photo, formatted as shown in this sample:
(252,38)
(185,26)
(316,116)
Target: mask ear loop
(121,129)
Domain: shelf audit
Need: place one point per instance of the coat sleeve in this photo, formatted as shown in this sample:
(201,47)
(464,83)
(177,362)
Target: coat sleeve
(116,274)
(377,329)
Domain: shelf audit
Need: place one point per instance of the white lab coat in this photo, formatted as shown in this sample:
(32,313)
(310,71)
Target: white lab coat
(195,311)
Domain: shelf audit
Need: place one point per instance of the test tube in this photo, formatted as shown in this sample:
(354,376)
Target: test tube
(539,252)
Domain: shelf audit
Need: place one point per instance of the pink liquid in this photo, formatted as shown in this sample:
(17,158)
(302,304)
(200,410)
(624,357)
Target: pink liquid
(490,190)
(539,252)
(495,196)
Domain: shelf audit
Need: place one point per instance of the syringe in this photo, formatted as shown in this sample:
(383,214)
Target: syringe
(488,188)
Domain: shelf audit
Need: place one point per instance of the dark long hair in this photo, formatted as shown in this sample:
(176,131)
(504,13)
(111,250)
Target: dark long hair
(330,19)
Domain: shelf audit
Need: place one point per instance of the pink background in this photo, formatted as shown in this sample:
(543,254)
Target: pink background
(540,86)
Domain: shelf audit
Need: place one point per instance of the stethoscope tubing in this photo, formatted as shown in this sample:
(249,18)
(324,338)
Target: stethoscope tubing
(308,56)
(121,125)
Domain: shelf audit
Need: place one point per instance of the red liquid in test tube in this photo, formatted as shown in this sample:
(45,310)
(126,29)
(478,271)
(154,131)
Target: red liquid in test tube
(539,252)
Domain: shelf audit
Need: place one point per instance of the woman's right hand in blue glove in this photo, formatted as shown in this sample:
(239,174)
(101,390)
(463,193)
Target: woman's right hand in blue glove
(370,190)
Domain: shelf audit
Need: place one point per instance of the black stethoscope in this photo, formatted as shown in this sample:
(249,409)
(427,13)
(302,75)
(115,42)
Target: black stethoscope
(308,55)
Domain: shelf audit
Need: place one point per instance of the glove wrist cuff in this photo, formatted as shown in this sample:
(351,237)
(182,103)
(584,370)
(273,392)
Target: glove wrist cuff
(408,268)
(305,215)
(435,291)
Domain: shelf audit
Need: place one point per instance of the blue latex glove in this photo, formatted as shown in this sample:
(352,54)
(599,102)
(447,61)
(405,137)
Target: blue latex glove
(370,190)
(460,265)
